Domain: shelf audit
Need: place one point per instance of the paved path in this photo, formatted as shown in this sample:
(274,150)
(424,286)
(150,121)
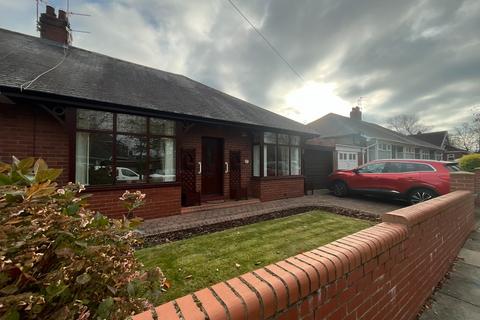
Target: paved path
(202,218)
(459,297)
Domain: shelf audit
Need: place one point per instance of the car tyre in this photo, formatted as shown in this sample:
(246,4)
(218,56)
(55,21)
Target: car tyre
(340,189)
(421,195)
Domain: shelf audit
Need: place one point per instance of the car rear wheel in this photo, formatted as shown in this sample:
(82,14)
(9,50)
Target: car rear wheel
(421,195)
(340,189)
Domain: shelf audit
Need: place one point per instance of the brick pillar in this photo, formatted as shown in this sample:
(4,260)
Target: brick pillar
(462,180)
(477,186)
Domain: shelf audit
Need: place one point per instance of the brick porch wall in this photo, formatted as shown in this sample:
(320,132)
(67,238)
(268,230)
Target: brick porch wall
(159,202)
(274,188)
(27,131)
(383,272)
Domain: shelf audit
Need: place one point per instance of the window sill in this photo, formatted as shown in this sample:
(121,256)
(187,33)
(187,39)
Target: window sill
(132,186)
(279,177)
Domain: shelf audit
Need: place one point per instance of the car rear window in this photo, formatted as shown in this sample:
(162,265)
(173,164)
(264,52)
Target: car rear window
(399,167)
(452,167)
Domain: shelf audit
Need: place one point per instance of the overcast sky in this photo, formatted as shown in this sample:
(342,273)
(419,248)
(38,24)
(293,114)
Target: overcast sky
(402,57)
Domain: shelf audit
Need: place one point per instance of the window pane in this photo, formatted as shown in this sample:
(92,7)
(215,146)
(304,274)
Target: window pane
(162,155)
(283,139)
(372,168)
(295,140)
(93,158)
(295,160)
(94,120)
(270,158)
(256,160)
(270,137)
(422,167)
(162,127)
(132,124)
(283,160)
(131,155)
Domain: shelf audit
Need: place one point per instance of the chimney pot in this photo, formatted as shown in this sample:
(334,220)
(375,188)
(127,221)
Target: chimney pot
(62,15)
(356,114)
(50,11)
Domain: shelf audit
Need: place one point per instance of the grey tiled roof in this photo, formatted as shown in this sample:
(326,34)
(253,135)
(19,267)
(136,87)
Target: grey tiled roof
(435,138)
(334,125)
(96,77)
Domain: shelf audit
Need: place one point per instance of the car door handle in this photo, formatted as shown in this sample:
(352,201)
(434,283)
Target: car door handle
(199,167)
(226,167)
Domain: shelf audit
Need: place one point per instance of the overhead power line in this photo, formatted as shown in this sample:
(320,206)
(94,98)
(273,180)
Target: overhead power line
(266,41)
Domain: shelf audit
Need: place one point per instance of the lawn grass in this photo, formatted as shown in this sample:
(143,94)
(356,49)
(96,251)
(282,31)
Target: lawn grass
(201,261)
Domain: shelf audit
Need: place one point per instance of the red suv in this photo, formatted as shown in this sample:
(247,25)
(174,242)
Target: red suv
(413,180)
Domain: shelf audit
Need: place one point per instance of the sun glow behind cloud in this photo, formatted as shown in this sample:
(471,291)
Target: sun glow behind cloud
(314,100)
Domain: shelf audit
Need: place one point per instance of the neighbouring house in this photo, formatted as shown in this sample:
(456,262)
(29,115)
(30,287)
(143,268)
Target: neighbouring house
(347,142)
(442,140)
(114,125)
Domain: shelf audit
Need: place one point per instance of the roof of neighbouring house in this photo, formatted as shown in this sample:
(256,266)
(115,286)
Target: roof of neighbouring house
(437,138)
(96,77)
(451,148)
(334,125)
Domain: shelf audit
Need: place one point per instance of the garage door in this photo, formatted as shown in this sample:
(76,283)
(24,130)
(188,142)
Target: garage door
(318,165)
(347,160)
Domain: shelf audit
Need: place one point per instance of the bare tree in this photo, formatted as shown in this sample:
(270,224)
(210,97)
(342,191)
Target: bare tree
(467,135)
(407,124)
(464,137)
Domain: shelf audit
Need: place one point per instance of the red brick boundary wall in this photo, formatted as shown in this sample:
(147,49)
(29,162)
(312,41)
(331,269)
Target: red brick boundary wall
(463,180)
(383,272)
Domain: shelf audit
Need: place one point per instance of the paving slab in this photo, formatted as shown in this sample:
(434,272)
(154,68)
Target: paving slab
(459,297)
(464,284)
(446,307)
(471,256)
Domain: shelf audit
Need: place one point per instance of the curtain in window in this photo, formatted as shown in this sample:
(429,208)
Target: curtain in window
(81,172)
(295,160)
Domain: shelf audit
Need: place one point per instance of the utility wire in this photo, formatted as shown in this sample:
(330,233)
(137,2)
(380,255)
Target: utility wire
(266,41)
(27,84)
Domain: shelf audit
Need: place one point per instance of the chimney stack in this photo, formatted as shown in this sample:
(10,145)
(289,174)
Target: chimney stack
(356,114)
(54,28)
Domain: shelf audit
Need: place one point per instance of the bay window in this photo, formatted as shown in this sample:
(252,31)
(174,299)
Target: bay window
(115,148)
(280,157)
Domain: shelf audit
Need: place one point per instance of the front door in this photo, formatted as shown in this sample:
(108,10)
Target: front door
(212,166)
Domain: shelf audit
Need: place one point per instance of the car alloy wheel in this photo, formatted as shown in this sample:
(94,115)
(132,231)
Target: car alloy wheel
(420,196)
(340,189)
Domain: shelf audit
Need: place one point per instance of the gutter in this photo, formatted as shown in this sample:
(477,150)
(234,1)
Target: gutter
(15,93)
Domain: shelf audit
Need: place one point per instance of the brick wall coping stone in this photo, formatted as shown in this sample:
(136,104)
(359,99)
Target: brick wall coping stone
(413,215)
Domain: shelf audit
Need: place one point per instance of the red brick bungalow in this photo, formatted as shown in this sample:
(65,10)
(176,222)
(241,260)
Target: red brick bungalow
(114,125)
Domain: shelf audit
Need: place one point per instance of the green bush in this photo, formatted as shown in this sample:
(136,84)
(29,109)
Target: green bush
(470,162)
(60,260)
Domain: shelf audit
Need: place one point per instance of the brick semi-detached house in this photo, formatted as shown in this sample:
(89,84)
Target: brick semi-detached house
(114,125)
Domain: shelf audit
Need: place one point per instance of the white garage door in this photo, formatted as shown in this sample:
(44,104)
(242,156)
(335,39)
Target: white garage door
(347,160)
